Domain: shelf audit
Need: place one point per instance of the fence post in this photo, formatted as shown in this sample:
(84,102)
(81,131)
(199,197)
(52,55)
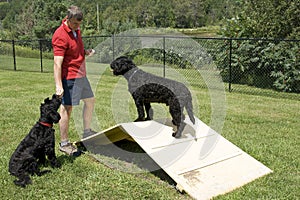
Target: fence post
(164,48)
(41,54)
(230,67)
(14,54)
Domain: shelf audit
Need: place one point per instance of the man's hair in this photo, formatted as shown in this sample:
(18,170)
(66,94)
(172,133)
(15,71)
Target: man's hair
(74,12)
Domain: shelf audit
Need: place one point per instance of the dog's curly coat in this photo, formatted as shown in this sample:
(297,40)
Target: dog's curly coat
(146,88)
(40,142)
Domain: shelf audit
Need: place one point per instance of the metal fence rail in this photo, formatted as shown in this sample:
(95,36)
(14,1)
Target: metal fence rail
(241,61)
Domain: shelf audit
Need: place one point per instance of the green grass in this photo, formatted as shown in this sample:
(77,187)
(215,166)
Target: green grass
(264,126)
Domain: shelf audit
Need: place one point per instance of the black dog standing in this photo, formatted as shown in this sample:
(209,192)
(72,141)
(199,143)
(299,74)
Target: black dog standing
(146,88)
(40,142)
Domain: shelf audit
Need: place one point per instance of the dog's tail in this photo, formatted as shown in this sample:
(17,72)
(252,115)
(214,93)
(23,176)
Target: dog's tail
(189,109)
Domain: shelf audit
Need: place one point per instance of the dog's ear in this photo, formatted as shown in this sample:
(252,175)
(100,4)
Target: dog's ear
(54,96)
(55,101)
(47,100)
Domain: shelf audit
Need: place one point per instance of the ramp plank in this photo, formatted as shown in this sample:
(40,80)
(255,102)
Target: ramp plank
(202,162)
(108,136)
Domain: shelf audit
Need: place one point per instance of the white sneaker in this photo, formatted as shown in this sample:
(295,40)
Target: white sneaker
(70,150)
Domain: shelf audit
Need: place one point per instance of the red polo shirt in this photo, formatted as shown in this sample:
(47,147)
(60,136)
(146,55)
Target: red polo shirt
(65,44)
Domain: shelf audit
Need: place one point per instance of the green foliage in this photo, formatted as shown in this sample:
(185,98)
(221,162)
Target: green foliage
(264,19)
(260,63)
(34,19)
(287,68)
(4,6)
(5,48)
(38,19)
(255,61)
(48,16)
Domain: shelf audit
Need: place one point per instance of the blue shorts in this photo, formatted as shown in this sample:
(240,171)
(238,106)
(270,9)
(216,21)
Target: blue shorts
(75,90)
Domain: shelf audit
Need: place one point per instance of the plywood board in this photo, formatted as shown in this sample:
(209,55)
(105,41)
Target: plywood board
(108,136)
(202,162)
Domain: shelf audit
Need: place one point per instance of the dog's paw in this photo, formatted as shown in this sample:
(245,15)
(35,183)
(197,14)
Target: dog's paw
(23,183)
(139,120)
(55,164)
(176,134)
(19,183)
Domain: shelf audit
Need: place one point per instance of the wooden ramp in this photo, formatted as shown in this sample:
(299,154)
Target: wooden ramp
(202,163)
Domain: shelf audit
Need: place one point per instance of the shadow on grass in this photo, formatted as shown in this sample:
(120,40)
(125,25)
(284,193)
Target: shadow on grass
(128,156)
(63,159)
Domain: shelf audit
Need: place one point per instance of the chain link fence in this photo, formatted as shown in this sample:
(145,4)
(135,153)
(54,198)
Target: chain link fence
(245,65)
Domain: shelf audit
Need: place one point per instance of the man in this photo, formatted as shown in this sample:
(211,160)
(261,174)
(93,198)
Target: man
(70,76)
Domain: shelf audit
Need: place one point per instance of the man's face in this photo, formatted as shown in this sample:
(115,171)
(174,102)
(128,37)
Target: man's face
(73,24)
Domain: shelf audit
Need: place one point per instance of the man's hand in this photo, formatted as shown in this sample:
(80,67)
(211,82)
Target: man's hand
(89,52)
(59,91)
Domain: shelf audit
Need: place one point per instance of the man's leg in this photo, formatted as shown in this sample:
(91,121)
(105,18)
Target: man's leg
(65,145)
(88,109)
(65,114)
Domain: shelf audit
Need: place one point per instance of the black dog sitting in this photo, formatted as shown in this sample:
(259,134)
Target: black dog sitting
(146,88)
(40,142)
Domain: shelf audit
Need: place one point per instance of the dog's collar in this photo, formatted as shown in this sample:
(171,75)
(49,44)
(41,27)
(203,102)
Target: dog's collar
(130,77)
(46,124)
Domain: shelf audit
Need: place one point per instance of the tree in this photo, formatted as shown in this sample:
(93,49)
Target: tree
(274,60)
(4,8)
(163,14)
(144,15)
(47,17)
(38,19)
(34,19)
(265,19)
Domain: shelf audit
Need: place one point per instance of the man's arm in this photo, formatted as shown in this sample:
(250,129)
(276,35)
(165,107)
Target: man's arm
(58,60)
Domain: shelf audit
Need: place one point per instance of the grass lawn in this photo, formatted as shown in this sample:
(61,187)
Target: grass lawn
(266,127)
